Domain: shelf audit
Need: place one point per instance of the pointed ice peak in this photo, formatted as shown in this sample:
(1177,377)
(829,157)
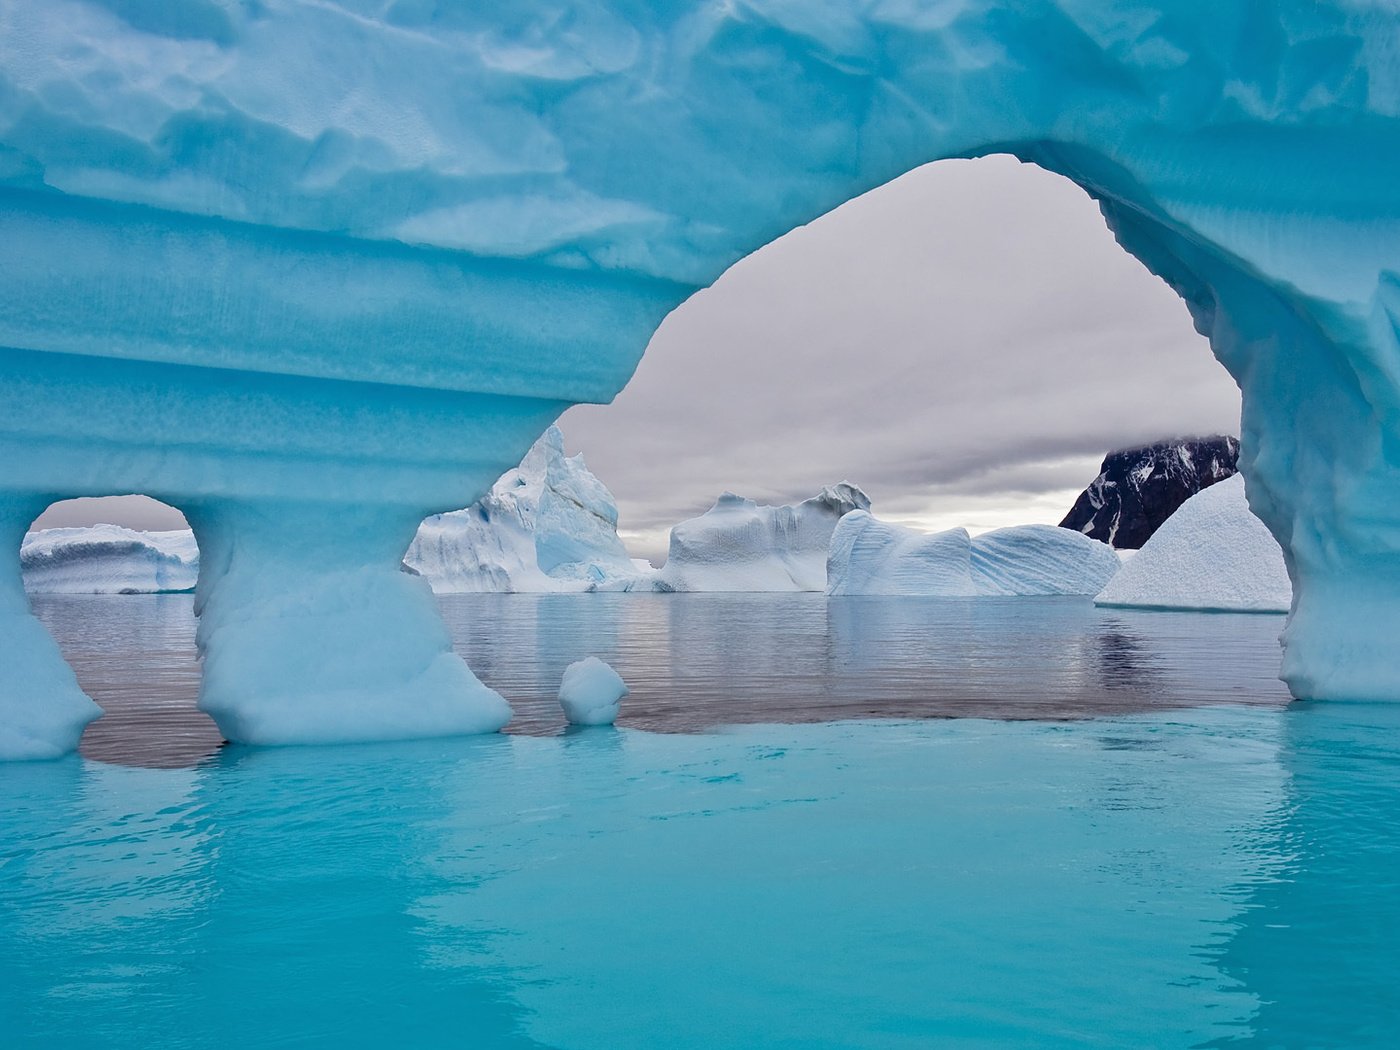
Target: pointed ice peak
(843,497)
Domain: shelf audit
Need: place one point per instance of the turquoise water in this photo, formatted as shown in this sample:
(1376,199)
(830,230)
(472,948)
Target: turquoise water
(1207,876)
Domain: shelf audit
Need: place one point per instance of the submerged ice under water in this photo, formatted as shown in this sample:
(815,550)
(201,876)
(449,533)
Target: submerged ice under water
(1223,876)
(694,661)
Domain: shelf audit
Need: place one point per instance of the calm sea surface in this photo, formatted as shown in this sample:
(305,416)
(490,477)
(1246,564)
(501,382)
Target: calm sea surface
(695,661)
(1138,844)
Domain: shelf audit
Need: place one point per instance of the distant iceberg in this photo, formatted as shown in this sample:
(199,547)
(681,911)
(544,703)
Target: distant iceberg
(108,559)
(739,545)
(1213,554)
(548,525)
(869,556)
(1041,559)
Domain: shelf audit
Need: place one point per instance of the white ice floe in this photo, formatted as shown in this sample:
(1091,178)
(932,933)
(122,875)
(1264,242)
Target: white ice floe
(869,556)
(1212,554)
(591,692)
(548,525)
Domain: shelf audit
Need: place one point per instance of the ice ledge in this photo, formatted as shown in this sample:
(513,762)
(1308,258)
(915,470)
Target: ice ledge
(136,286)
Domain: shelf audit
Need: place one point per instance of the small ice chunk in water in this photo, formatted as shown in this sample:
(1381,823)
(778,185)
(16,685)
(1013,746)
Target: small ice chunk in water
(591,692)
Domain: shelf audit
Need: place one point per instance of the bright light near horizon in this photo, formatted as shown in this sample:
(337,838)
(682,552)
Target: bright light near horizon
(983,514)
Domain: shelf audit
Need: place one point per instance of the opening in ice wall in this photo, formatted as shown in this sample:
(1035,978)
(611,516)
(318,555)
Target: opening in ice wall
(119,601)
(965,343)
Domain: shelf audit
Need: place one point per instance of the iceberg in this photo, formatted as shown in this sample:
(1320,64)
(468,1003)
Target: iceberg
(1041,559)
(547,525)
(260,258)
(869,556)
(591,693)
(108,559)
(739,545)
(1213,554)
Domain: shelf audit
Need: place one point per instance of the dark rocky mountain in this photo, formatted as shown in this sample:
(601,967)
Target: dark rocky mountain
(1139,488)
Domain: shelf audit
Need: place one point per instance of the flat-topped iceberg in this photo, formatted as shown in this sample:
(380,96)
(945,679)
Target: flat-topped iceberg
(1213,554)
(108,559)
(740,545)
(547,525)
(869,556)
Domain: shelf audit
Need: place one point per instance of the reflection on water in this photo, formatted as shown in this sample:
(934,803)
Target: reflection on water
(1318,940)
(694,661)
(698,660)
(134,654)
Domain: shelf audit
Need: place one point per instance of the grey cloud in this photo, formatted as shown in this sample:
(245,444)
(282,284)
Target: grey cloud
(135,512)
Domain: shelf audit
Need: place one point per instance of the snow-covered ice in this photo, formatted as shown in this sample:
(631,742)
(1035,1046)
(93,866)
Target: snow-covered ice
(870,556)
(739,545)
(1212,554)
(547,525)
(108,559)
(591,692)
(1040,559)
(310,272)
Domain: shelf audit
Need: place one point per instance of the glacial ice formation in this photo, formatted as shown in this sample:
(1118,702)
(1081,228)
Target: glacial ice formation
(547,525)
(591,693)
(870,556)
(738,545)
(1212,554)
(259,259)
(108,559)
(1036,559)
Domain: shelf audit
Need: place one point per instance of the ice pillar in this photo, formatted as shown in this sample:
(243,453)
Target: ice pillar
(42,708)
(311,633)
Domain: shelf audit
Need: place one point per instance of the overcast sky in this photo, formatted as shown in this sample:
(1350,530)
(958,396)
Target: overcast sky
(965,344)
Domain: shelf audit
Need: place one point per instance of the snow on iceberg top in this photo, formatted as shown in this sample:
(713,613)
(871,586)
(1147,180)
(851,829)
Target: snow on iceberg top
(1213,554)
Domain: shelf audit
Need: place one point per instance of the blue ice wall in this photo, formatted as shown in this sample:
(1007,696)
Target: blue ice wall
(292,265)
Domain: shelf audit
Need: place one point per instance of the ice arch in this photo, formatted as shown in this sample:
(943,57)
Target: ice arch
(314,269)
